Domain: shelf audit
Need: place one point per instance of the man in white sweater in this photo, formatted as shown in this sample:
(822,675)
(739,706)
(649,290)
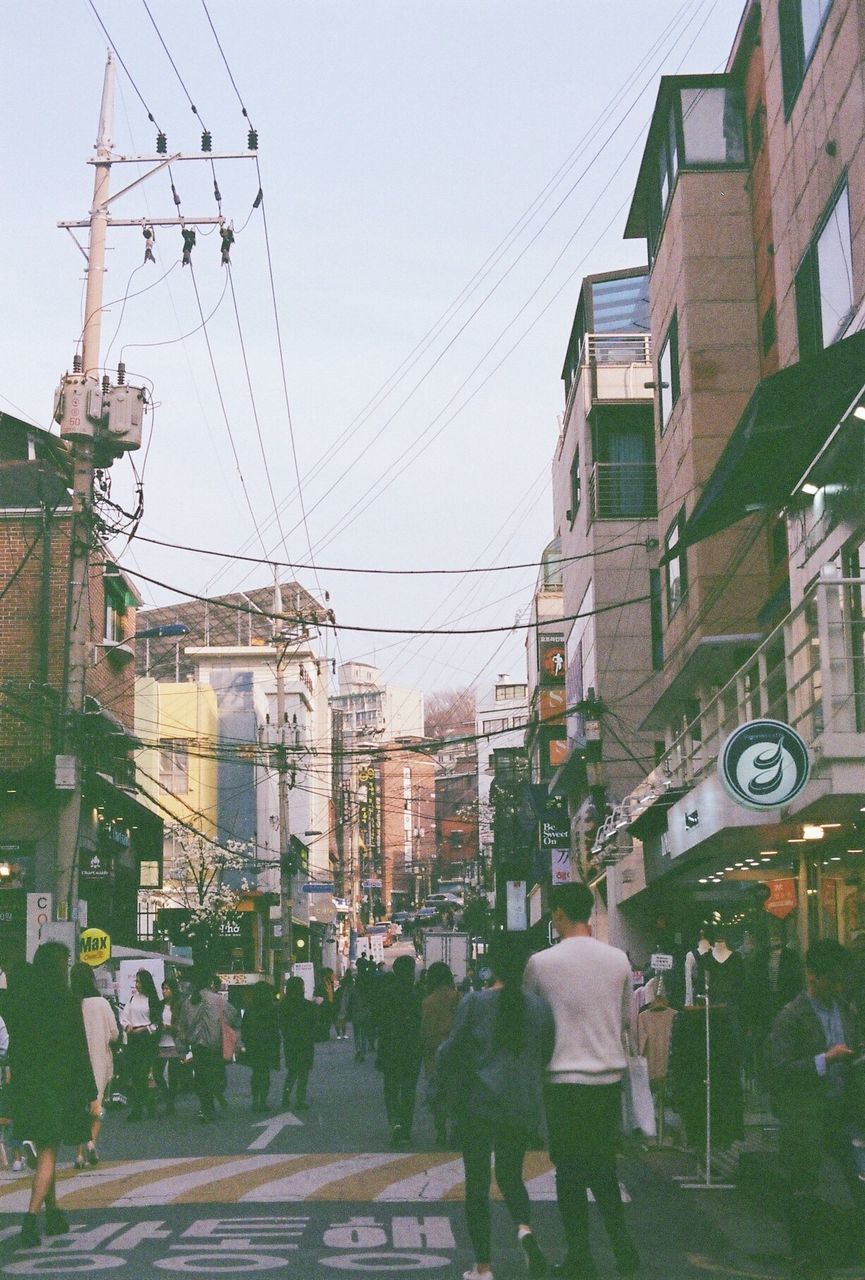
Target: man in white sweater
(587,984)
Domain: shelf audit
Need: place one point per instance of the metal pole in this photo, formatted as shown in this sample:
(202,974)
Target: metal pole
(78,595)
(286,878)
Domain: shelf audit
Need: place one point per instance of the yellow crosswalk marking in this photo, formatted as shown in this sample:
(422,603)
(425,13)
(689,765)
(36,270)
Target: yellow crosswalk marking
(268,1178)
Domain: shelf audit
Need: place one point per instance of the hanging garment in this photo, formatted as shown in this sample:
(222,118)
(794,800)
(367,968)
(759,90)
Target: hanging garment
(654,1036)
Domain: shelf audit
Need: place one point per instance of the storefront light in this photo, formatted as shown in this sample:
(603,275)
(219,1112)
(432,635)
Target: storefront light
(837,858)
(856,850)
(796,840)
(830,826)
(811,832)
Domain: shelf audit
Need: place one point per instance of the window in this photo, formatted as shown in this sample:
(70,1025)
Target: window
(115,604)
(507,692)
(824,281)
(801,22)
(768,329)
(174,766)
(713,126)
(676,565)
(149,874)
(668,374)
(757,129)
(656,621)
(495,725)
(576,487)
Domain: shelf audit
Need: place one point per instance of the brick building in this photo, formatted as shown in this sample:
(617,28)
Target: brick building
(116,832)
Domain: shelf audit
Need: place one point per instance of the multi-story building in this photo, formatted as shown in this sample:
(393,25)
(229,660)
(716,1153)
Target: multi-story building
(116,832)
(501,716)
(751,197)
(377,851)
(605,511)
(235,656)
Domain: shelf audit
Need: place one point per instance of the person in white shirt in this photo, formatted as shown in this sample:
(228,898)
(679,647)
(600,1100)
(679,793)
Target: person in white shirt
(587,984)
(141,1019)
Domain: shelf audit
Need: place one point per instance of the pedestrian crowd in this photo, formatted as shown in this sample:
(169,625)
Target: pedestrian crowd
(532,1052)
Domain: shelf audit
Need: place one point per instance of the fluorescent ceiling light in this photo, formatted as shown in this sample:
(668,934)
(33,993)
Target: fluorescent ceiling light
(811,832)
(859,411)
(810,489)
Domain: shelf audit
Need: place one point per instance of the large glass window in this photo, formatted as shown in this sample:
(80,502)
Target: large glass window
(801,22)
(668,374)
(676,565)
(713,126)
(824,281)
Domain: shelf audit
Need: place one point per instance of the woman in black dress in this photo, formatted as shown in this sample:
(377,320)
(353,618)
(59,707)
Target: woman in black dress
(53,1091)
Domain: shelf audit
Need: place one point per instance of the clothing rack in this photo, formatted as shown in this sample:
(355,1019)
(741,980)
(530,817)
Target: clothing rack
(706,1183)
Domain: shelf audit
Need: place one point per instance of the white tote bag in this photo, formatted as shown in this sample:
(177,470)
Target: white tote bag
(638,1105)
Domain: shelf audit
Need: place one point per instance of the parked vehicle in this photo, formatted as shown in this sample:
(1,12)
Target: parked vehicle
(455,949)
(443,900)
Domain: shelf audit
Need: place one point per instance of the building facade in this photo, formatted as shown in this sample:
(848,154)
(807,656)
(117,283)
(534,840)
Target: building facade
(752,202)
(117,833)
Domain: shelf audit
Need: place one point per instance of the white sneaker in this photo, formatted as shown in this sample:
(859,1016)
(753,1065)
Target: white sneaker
(17,1165)
(474,1274)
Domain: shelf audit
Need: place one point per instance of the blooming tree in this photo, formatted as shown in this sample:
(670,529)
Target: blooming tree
(205,881)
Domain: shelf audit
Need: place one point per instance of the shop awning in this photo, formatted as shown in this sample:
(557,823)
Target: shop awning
(787,420)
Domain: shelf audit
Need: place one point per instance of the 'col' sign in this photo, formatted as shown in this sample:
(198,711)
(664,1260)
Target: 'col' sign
(94,947)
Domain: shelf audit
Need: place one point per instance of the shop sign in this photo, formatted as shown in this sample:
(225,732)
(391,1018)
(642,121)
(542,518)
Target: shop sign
(317,886)
(555,826)
(551,661)
(95,868)
(558,752)
(552,706)
(782,898)
(661,963)
(561,871)
(94,947)
(764,764)
(516,917)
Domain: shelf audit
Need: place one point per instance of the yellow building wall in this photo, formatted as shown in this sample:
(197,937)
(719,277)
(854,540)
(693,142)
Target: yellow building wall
(184,713)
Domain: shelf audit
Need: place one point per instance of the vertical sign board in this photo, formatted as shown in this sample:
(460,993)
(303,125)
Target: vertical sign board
(516,917)
(562,872)
(38,920)
(305,970)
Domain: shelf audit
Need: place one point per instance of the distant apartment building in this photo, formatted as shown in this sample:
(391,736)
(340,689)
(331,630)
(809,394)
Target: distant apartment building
(117,833)
(501,716)
(384,803)
(233,657)
(751,200)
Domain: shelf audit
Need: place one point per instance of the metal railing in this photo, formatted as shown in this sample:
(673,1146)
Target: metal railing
(619,365)
(623,491)
(809,673)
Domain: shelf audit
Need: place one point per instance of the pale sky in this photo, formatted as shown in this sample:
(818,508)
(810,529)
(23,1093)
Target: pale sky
(399,145)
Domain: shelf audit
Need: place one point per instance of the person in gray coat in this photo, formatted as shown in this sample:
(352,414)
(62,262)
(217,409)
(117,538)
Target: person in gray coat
(816,1095)
(490,1071)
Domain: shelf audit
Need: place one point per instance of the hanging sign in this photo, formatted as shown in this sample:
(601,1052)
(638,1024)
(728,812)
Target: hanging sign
(516,916)
(94,947)
(782,898)
(551,661)
(764,764)
(562,871)
(661,963)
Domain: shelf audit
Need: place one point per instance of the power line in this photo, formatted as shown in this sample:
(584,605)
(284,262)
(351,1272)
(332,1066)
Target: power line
(416,573)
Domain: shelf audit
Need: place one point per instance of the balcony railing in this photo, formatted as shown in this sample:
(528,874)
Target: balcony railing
(619,365)
(623,491)
(808,673)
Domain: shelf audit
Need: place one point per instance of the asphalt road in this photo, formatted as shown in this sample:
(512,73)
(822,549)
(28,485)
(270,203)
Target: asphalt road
(320,1194)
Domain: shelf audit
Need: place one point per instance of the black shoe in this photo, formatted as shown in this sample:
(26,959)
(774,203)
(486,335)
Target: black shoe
(396,1137)
(536,1260)
(627,1258)
(29,1237)
(55,1223)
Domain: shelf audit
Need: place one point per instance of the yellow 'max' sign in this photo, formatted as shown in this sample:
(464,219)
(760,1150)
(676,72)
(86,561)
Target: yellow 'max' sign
(94,947)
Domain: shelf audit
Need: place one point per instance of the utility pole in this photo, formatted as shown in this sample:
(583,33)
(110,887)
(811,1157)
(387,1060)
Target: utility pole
(286,865)
(99,422)
(78,615)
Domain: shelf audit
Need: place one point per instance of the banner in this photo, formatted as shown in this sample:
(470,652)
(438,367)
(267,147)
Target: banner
(782,898)
(562,871)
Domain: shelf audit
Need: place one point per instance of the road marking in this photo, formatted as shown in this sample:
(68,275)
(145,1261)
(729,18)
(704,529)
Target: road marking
(312,1184)
(264,1178)
(272,1128)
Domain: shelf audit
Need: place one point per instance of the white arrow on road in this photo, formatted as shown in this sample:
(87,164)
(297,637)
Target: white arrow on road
(271,1128)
